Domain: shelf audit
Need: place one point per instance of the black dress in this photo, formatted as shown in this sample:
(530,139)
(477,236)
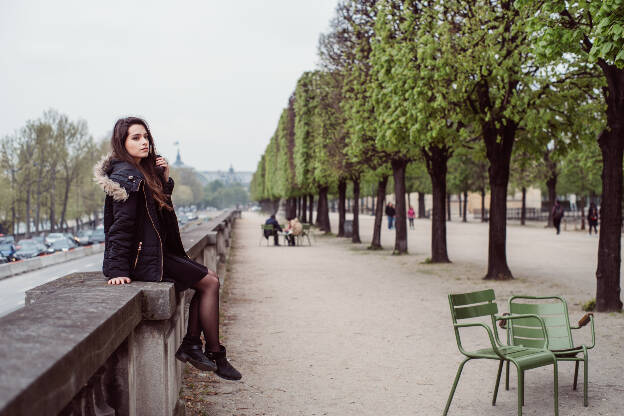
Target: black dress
(181,271)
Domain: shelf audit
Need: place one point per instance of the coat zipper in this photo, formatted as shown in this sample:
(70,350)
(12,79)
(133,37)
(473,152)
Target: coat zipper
(137,256)
(157,233)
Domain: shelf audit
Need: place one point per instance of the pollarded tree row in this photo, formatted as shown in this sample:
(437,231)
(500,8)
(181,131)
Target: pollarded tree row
(460,88)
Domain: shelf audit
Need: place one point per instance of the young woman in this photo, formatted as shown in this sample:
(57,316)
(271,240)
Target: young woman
(143,240)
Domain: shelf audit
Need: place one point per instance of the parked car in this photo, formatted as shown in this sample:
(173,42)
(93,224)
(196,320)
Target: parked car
(71,237)
(52,237)
(98,236)
(3,259)
(7,249)
(63,245)
(84,237)
(30,248)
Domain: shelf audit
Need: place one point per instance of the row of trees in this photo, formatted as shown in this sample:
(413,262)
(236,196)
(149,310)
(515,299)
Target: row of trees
(46,174)
(479,87)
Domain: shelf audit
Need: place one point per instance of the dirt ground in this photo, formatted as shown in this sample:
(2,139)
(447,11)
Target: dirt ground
(336,329)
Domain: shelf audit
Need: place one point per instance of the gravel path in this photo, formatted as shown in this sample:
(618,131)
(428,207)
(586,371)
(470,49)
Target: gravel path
(335,329)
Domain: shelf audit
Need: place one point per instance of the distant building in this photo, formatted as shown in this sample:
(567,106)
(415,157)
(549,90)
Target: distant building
(178,162)
(228,177)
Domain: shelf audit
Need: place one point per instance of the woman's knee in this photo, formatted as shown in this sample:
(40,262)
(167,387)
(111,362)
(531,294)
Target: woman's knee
(208,282)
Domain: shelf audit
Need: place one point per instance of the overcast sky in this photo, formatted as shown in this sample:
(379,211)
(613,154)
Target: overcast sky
(213,75)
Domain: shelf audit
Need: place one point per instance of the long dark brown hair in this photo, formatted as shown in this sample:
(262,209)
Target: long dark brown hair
(153,179)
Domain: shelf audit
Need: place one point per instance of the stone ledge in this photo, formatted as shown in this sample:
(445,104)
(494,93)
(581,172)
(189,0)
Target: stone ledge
(51,349)
(158,299)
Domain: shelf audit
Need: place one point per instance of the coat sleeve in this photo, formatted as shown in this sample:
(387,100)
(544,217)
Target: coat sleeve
(168,188)
(121,236)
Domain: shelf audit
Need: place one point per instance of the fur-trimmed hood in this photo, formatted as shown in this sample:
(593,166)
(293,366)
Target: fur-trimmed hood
(116,177)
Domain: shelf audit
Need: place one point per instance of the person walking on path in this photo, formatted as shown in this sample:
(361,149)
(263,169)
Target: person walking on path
(276,228)
(411,214)
(592,218)
(390,212)
(143,239)
(557,215)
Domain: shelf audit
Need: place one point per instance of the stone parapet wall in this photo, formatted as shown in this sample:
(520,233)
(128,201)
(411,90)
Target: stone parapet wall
(81,347)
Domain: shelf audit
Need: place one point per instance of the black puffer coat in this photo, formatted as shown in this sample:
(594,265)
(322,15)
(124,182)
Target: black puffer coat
(134,229)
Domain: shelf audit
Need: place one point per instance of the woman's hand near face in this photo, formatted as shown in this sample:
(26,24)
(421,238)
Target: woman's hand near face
(119,280)
(160,161)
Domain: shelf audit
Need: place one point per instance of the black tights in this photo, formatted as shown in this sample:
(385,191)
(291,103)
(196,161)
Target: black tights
(204,313)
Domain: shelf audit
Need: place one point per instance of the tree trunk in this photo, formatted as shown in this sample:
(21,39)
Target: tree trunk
(551,185)
(483,204)
(523,209)
(342,193)
(437,158)
(499,155)
(356,212)
(323,211)
(65,200)
(311,209)
(421,205)
(28,192)
(448,206)
(611,142)
(373,211)
(582,204)
(318,211)
(465,219)
(379,211)
(398,171)
(52,201)
(459,204)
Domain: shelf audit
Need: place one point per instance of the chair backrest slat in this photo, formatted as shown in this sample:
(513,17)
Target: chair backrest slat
(529,342)
(472,297)
(538,309)
(484,309)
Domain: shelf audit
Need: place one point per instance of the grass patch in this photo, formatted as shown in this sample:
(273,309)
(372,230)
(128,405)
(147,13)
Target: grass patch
(589,305)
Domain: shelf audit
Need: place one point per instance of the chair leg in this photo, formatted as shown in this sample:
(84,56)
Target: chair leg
(507,376)
(520,390)
(585,370)
(498,377)
(521,387)
(556,384)
(576,366)
(450,398)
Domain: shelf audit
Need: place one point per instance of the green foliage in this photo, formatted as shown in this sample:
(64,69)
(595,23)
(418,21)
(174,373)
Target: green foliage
(188,188)
(222,196)
(590,30)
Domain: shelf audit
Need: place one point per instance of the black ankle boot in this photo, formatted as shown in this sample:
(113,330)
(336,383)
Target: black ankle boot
(193,354)
(224,368)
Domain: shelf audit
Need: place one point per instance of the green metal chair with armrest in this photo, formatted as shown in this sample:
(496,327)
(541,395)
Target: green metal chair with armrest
(553,310)
(263,228)
(481,304)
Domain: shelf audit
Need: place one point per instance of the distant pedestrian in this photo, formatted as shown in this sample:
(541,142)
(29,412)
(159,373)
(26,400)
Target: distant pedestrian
(411,214)
(390,212)
(276,228)
(592,218)
(557,215)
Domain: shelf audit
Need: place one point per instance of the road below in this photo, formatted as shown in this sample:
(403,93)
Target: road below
(12,289)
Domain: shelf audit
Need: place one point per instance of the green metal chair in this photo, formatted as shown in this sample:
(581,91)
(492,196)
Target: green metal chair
(305,233)
(554,313)
(481,304)
(264,227)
